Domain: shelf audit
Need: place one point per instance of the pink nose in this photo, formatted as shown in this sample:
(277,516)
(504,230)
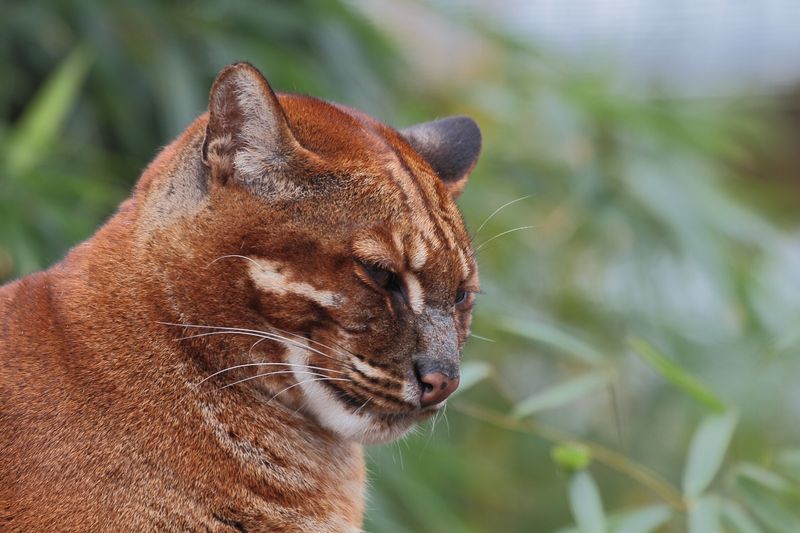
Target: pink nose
(436,387)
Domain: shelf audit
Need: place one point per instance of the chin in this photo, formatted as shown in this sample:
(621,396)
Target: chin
(390,427)
(365,426)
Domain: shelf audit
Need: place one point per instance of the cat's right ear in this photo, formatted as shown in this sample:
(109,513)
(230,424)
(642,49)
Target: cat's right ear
(248,137)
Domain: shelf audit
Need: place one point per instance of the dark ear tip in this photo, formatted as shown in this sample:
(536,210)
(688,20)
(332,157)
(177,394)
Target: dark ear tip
(463,122)
(466,131)
(451,146)
(462,133)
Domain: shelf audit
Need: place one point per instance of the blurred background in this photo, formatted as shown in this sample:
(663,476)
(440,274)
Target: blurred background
(636,208)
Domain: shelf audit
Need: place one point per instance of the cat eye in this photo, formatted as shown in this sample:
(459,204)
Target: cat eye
(385,279)
(461,296)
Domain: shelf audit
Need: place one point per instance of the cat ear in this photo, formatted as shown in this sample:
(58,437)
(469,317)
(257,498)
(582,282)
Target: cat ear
(450,145)
(247,134)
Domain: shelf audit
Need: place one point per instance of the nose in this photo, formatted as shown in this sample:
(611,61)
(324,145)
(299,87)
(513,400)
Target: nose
(436,387)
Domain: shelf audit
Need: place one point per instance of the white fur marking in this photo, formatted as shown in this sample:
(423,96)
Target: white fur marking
(398,243)
(351,424)
(420,255)
(416,296)
(266,274)
(329,412)
(372,250)
(462,259)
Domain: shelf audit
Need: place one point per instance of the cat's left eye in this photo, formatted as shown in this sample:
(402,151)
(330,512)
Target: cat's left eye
(461,296)
(385,279)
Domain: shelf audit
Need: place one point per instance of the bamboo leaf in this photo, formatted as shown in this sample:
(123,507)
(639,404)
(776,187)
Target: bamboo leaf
(733,514)
(676,375)
(585,503)
(704,516)
(561,394)
(552,336)
(706,452)
(644,520)
(43,119)
(768,509)
(765,478)
(473,372)
(789,461)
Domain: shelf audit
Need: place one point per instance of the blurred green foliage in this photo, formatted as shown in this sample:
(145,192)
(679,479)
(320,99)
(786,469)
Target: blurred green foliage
(636,364)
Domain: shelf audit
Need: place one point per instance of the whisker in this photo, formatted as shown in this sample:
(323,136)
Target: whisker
(316,342)
(236,256)
(490,217)
(305,381)
(362,406)
(282,331)
(400,453)
(221,330)
(433,424)
(266,336)
(250,351)
(254,331)
(245,365)
(277,373)
(484,243)
(487,339)
(319,343)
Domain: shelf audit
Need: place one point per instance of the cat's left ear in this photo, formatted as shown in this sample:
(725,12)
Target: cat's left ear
(450,145)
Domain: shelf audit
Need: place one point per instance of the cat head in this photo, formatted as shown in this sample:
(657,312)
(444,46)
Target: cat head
(330,256)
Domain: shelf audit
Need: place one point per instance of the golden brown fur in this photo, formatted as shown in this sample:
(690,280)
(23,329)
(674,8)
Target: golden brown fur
(279,216)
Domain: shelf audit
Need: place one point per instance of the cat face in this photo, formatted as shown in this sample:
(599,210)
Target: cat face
(333,257)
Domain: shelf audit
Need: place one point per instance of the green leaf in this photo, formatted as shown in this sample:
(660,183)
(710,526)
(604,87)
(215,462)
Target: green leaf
(676,375)
(561,394)
(764,477)
(552,336)
(789,461)
(733,514)
(703,516)
(473,372)
(433,512)
(644,520)
(571,456)
(706,452)
(585,503)
(44,117)
(768,509)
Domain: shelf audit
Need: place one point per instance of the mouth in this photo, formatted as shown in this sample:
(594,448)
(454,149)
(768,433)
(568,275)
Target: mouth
(369,404)
(369,419)
(412,416)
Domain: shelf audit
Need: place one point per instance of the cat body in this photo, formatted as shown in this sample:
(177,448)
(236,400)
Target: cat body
(289,281)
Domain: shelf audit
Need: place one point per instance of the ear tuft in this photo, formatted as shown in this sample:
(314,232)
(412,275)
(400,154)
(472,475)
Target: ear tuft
(247,133)
(450,145)
(218,156)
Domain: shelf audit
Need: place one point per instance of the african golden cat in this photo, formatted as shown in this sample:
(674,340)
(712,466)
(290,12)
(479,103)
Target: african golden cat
(290,280)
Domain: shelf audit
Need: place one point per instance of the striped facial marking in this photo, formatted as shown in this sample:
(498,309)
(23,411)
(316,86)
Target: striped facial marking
(352,422)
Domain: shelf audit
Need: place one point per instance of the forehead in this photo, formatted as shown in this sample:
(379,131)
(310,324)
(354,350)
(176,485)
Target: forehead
(409,218)
(338,133)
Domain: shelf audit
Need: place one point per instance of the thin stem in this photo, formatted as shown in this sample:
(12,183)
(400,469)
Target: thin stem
(610,458)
